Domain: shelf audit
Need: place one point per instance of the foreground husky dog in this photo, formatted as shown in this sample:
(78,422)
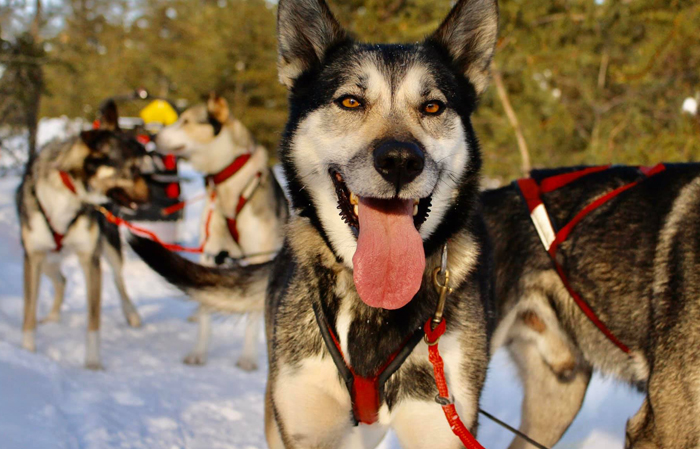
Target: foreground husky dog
(56,217)
(635,261)
(383,165)
(246,207)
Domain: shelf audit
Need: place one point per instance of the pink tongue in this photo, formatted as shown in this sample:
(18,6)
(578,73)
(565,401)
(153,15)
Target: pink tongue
(389,260)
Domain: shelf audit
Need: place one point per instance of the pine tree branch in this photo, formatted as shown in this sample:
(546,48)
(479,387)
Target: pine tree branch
(512,118)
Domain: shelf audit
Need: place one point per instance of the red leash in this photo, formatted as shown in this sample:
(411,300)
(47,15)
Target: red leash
(151,235)
(434,329)
(444,399)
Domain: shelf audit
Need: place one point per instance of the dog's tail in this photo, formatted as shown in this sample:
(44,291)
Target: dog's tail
(228,290)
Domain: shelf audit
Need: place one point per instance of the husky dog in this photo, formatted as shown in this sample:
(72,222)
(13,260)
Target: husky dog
(246,207)
(383,169)
(635,261)
(55,203)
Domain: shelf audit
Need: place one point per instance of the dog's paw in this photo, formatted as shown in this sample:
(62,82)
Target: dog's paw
(195,359)
(51,318)
(94,366)
(28,341)
(134,320)
(247,364)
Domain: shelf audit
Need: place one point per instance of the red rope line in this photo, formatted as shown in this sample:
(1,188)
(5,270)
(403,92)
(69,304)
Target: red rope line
(182,204)
(458,428)
(143,231)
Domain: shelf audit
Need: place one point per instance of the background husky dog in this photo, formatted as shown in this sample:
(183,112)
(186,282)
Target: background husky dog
(209,138)
(635,261)
(382,164)
(53,205)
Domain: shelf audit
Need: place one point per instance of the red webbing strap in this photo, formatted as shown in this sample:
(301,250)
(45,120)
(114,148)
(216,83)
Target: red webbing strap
(586,309)
(564,233)
(181,205)
(365,390)
(448,407)
(232,222)
(68,182)
(556,182)
(566,230)
(58,240)
(231,169)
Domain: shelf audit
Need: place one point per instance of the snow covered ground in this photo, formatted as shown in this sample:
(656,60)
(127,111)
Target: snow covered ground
(146,398)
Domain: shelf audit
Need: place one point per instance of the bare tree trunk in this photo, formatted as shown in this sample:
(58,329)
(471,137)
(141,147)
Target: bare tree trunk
(513,118)
(36,82)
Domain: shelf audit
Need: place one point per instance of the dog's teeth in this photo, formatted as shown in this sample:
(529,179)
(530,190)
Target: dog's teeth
(415,210)
(354,200)
(356,209)
(416,201)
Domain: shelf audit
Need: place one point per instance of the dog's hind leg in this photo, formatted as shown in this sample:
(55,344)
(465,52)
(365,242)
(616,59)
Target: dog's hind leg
(32,279)
(93,278)
(551,403)
(114,258)
(53,272)
(198,355)
(249,358)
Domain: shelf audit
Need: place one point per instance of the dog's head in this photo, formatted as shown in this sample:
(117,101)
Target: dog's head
(196,130)
(107,162)
(379,149)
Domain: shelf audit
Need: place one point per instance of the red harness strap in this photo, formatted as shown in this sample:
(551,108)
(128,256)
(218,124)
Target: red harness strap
(231,169)
(532,193)
(248,191)
(366,393)
(58,238)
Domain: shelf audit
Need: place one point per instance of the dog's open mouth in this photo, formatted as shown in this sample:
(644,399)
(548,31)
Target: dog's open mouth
(389,260)
(349,205)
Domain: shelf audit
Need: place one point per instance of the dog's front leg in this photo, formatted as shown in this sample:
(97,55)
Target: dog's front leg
(32,277)
(93,278)
(53,271)
(308,407)
(550,403)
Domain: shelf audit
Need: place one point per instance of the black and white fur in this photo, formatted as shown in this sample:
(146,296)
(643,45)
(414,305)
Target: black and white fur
(209,138)
(307,404)
(102,164)
(635,261)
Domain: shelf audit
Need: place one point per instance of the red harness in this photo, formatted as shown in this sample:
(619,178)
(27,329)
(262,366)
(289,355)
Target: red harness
(57,237)
(532,194)
(366,393)
(248,191)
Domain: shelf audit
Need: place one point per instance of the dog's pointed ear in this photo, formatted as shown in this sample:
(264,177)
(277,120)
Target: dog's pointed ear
(109,116)
(218,109)
(469,34)
(306,30)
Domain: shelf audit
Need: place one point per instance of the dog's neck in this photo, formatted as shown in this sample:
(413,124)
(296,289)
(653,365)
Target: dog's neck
(231,142)
(58,202)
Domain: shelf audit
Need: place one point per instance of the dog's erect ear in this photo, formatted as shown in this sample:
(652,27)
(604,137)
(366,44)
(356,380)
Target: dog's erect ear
(469,34)
(93,138)
(109,116)
(306,29)
(217,107)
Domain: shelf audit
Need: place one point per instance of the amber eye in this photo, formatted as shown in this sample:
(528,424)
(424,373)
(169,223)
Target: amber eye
(349,102)
(433,108)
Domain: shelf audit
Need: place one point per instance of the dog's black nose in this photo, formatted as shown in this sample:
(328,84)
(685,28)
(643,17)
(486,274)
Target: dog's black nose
(399,162)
